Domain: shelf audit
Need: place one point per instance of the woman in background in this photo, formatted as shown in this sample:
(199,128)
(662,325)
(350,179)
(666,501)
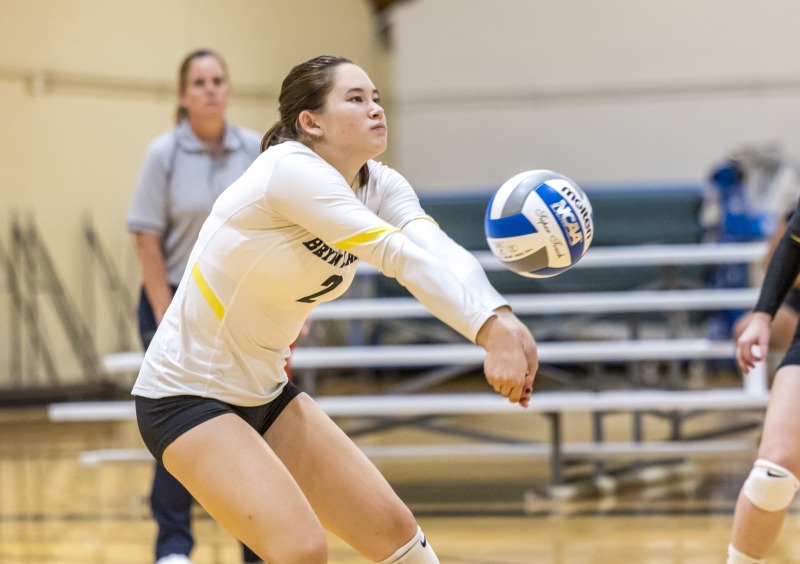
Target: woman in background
(184,172)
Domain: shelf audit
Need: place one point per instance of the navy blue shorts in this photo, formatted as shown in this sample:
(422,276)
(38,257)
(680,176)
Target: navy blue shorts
(792,356)
(161,421)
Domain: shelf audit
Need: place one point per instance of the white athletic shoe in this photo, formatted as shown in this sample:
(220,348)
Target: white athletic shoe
(174,559)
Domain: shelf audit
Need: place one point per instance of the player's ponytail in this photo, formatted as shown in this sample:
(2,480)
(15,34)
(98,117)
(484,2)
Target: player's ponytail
(276,134)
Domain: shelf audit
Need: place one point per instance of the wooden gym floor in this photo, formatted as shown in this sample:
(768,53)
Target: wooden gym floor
(54,510)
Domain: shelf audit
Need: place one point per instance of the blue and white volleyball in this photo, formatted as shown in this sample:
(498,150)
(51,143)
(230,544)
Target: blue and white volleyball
(539,223)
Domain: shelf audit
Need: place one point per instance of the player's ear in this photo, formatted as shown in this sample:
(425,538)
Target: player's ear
(309,125)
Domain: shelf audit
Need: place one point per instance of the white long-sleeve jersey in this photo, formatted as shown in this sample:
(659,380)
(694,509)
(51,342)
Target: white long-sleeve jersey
(284,237)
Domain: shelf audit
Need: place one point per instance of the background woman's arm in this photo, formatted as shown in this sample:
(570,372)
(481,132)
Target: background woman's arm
(154,274)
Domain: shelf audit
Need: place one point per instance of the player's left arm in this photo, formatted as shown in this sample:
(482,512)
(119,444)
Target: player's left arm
(428,235)
(503,336)
(400,206)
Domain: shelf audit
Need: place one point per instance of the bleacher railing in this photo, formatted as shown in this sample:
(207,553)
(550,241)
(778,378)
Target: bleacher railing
(50,343)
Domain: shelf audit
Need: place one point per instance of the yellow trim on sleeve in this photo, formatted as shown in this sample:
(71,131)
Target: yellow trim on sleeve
(364,237)
(208,293)
(795,238)
(423,217)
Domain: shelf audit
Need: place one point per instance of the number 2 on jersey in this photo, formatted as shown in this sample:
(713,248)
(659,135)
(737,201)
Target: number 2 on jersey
(330,284)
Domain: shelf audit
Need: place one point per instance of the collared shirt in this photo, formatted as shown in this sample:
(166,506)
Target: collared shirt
(180,180)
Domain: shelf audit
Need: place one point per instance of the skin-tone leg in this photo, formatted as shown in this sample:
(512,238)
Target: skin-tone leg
(783,328)
(755,530)
(244,486)
(347,492)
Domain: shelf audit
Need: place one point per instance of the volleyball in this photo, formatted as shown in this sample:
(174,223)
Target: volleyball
(539,223)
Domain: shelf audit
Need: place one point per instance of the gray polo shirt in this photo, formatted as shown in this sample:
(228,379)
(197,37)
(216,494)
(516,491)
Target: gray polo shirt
(180,181)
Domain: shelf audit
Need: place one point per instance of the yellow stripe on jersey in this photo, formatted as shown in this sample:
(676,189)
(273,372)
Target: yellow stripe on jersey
(208,293)
(795,238)
(425,217)
(364,237)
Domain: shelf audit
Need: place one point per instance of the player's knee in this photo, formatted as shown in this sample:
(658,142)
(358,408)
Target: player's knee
(769,486)
(311,552)
(416,551)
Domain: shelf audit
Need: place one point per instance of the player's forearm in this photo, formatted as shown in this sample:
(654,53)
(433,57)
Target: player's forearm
(461,262)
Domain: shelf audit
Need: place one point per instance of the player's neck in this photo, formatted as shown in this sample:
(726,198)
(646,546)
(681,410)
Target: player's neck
(347,166)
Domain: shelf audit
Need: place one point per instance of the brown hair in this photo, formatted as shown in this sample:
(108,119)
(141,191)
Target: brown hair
(305,88)
(182,112)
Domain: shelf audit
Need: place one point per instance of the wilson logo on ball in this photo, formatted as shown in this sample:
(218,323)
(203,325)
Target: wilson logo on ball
(539,223)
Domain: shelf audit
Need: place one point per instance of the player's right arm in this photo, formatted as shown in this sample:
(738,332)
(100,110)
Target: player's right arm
(783,269)
(756,334)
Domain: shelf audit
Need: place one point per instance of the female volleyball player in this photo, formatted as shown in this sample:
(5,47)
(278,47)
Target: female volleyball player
(185,170)
(771,485)
(212,399)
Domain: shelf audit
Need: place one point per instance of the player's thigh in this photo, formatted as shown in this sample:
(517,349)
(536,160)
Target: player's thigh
(347,492)
(780,441)
(783,328)
(236,477)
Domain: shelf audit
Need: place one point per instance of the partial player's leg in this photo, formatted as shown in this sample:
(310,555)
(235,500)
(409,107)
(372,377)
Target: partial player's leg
(348,494)
(771,485)
(234,475)
(783,328)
